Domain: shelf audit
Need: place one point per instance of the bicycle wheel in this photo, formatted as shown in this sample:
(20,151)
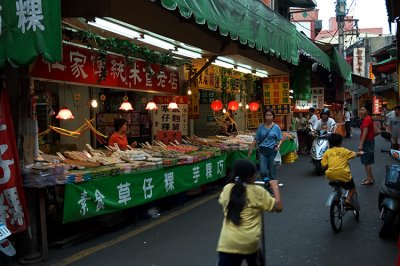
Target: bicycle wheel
(336,216)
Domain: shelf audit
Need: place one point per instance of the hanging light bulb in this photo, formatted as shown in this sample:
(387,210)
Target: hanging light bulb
(240,104)
(224,110)
(151,106)
(65,114)
(189,92)
(94,103)
(172,106)
(247,106)
(126,105)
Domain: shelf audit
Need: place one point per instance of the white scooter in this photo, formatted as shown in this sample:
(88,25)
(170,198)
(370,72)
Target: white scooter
(319,146)
(6,247)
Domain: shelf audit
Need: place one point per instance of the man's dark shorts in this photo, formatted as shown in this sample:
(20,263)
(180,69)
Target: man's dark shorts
(368,158)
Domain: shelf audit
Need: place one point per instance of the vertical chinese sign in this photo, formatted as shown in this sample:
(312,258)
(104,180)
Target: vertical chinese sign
(164,119)
(276,94)
(12,200)
(317,97)
(194,104)
(376,105)
(28,29)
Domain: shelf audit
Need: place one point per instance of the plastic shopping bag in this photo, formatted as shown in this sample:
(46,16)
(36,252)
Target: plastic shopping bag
(278,159)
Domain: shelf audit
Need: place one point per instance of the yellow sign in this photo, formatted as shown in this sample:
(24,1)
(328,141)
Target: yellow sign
(254,119)
(276,90)
(194,105)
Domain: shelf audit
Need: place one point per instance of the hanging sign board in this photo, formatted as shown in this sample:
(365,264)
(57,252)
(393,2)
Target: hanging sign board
(254,119)
(165,119)
(194,104)
(82,66)
(276,90)
(317,97)
(376,105)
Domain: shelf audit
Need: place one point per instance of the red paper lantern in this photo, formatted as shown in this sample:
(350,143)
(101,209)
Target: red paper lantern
(253,106)
(217,105)
(233,105)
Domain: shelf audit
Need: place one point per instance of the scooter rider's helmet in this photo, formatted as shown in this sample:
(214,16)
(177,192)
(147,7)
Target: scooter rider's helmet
(325,111)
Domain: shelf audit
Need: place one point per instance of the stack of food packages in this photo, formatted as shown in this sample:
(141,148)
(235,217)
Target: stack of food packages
(80,166)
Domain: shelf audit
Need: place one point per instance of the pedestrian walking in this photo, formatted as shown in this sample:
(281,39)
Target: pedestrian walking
(269,139)
(367,145)
(393,126)
(243,204)
(347,122)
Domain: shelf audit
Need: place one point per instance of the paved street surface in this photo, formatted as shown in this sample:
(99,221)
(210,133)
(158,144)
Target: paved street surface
(300,235)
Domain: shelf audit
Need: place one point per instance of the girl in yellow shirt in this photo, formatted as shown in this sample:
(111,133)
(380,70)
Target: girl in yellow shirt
(243,203)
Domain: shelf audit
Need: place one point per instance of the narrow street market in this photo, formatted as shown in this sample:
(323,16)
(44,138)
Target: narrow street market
(116,114)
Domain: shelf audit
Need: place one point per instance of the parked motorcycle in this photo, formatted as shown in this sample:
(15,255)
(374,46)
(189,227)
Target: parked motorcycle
(319,146)
(389,200)
(6,247)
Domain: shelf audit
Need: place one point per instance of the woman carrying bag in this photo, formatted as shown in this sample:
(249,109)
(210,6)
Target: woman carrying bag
(268,139)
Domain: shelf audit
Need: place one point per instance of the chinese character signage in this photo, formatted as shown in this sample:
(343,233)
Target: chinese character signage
(82,66)
(107,195)
(207,80)
(317,97)
(280,109)
(254,119)
(194,104)
(359,61)
(276,90)
(29,28)
(165,119)
(12,200)
(376,105)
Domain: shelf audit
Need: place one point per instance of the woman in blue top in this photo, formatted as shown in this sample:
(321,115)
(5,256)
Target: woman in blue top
(269,138)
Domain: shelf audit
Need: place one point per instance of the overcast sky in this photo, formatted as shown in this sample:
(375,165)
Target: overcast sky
(371,13)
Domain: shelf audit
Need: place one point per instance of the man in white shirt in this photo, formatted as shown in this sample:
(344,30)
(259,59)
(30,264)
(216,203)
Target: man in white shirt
(347,118)
(325,121)
(313,117)
(393,124)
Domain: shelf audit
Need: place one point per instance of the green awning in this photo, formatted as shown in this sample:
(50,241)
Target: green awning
(309,49)
(342,67)
(251,22)
(28,30)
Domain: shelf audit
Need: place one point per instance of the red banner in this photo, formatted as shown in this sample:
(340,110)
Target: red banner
(82,66)
(13,211)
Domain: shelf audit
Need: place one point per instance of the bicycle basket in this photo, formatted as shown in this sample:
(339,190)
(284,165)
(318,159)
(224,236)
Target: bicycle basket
(392,178)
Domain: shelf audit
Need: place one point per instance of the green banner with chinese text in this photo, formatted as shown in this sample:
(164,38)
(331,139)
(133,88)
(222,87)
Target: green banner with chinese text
(106,195)
(29,28)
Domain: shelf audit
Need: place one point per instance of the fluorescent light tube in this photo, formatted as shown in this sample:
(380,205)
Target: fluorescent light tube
(243,70)
(222,64)
(187,53)
(113,27)
(157,42)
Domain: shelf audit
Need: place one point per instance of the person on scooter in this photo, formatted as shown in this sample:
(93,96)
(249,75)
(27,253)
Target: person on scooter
(336,160)
(325,121)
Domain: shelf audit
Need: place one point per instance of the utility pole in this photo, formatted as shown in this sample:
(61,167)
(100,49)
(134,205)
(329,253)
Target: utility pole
(340,15)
